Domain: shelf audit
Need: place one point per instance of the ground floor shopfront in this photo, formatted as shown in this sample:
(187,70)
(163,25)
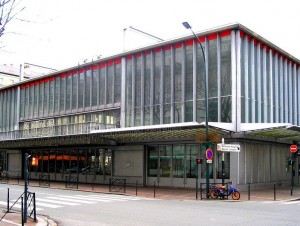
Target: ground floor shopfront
(165,164)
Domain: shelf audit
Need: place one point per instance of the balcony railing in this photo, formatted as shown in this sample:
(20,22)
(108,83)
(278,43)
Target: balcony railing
(51,131)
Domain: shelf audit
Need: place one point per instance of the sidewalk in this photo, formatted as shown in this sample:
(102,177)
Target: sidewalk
(280,194)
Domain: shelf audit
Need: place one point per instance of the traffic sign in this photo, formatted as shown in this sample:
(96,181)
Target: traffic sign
(209,154)
(228,147)
(293,148)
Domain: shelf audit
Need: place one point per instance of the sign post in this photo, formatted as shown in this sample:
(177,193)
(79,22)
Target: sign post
(293,149)
(226,148)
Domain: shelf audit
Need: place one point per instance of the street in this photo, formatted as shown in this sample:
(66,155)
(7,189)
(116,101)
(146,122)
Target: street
(71,207)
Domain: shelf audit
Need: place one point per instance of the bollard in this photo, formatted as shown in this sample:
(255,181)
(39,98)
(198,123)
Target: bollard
(248,191)
(136,187)
(154,189)
(7,200)
(22,214)
(274,192)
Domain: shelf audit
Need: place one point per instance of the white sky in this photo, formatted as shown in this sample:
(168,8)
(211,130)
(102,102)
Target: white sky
(61,33)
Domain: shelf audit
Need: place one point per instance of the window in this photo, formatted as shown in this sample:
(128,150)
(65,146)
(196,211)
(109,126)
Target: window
(128,91)
(87,100)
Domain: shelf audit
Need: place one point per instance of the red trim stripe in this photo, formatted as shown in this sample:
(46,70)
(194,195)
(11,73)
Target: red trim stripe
(227,33)
(167,47)
(248,38)
(138,54)
(201,38)
(26,85)
(31,83)
(46,80)
(118,61)
(51,78)
(63,75)
(69,73)
(147,52)
(267,48)
(88,68)
(128,57)
(109,63)
(177,45)
(41,81)
(157,50)
(75,72)
(95,67)
(255,41)
(261,45)
(212,37)
(189,42)
(102,64)
(22,86)
(273,51)
(242,34)
(36,83)
(81,70)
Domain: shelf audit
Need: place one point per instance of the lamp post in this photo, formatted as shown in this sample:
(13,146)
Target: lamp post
(188,26)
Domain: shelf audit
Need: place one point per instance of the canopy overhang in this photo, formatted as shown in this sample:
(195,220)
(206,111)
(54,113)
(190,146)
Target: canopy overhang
(283,132)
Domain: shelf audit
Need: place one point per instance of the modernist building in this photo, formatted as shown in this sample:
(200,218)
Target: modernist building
(140,114)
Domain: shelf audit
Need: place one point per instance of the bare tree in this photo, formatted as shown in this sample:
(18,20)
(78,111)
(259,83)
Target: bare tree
(8,10)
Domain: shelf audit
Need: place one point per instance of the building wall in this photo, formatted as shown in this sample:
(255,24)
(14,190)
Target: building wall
(260,164)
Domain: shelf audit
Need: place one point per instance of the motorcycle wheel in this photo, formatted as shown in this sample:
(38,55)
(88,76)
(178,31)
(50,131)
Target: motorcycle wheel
(214,194)
(236,195)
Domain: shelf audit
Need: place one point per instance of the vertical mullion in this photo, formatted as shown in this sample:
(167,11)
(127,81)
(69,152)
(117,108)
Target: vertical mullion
(172,85)
(142,104)
(219,77)
(133,90)
(253,96)
(183,80)
(161,98)
(123,93)
(258,86)
(194,81)
(151,86)
(295,97)
(264,91)
(246,79)
(271,90)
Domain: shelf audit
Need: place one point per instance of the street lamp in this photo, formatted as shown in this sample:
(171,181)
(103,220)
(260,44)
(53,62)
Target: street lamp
(188,26)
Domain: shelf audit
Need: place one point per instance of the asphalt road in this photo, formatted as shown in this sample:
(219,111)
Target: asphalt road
(71,207)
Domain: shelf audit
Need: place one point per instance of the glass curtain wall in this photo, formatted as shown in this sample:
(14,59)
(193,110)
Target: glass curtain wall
(269,84)
(179,161)
(74,91)
(166,84)
(8,105)
(93,161)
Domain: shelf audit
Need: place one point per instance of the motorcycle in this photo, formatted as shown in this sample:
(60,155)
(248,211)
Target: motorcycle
(219,191)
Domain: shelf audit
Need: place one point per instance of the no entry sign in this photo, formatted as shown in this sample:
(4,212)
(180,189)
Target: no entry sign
(293,148)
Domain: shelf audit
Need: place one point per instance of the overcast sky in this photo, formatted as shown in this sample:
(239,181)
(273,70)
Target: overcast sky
(61,33)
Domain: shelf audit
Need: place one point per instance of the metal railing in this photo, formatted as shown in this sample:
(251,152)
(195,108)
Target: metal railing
(71,181)
(30,209)
(117,185)
(3,177)
(49,131)
(44,180)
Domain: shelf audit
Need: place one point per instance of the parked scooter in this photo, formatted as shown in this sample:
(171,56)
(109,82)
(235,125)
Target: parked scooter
(219,191)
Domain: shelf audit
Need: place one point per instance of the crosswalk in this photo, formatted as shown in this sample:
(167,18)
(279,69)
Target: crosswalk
(284,202)
(60,201)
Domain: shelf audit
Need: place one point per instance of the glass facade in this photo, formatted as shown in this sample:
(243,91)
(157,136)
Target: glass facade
(76,161)
(179,161)
(269,84)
